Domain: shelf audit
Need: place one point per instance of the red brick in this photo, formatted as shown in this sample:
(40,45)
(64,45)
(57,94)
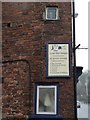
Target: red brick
(24,36)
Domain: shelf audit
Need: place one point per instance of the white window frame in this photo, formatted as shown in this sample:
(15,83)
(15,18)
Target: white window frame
(57,13)
(37,99)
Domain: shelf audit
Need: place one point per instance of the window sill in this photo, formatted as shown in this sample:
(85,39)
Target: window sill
(52,19)
(45,116)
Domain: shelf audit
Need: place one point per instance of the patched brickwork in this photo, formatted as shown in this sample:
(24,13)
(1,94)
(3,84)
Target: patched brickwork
(24,36)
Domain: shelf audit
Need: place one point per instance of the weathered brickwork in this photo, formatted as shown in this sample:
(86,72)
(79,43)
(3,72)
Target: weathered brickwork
(24,36)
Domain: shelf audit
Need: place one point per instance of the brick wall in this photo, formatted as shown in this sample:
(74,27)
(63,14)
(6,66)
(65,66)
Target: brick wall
(24,37)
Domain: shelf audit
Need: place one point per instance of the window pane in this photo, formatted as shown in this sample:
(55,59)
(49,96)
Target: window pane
(46,100)
(51,13)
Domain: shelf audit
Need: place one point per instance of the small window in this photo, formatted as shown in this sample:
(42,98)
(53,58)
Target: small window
(46,99)
(52,13)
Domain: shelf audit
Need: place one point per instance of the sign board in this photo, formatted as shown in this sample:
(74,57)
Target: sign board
(58,60)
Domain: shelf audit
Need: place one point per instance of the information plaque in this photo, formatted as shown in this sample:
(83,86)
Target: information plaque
(58,60)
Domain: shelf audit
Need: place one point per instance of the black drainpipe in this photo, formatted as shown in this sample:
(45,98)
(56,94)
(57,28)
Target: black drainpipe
(74,69)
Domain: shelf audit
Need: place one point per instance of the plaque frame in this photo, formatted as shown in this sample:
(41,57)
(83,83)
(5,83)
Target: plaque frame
(48,57)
